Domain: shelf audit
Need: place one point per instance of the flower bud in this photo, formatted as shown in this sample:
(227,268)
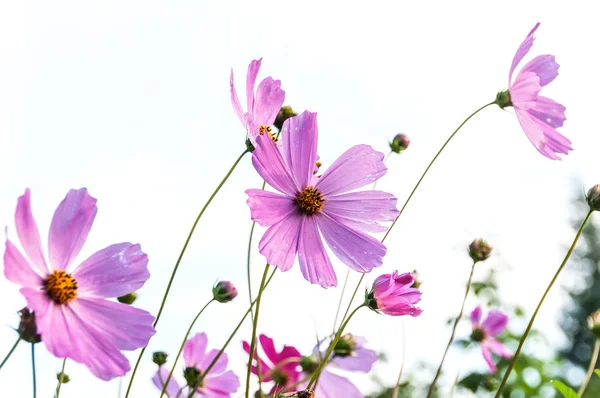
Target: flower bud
(159,358)
(479,250)
(27,327)
(128,298)
(417,283)
(593,197)
(399,143)
(224,292)
(345,346)
(285,113)
(63,378)
(192,376)
(594,323)
(308,364)
(503,99)
(392,294)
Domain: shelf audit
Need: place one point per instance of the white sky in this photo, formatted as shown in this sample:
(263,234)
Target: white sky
(131,99)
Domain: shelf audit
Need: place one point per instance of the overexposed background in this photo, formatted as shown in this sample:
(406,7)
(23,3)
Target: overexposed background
(131,99)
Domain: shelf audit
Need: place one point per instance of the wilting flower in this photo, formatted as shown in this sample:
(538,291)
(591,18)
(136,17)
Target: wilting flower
(263,106)
(485,334)
(311,206)
(393,295)
(217,383)
(72,314)
(539,116)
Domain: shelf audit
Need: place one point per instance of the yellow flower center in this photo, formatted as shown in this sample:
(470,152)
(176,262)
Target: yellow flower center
(267,129)
(310,201)
(61,287)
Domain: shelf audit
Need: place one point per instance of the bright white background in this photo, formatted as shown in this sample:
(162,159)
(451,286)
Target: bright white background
(131,99)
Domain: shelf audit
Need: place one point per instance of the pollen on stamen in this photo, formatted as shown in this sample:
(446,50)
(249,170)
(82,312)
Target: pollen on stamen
(310,201)
(61,287)
(267,129)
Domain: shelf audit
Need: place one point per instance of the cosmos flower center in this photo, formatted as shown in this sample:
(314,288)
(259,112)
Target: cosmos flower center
(61,287)
(262,130)
(310,201)
(192,377)
(478,335)
(280,378)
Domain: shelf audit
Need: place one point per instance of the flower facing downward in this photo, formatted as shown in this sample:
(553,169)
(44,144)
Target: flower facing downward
(72,314)
(539,116)
(393,295)
(485,334)
(263,106)
(311,207)
(218,383)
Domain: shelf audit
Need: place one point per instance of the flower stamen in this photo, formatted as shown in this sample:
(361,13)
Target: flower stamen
(310,201)
(61,287)
(267,129)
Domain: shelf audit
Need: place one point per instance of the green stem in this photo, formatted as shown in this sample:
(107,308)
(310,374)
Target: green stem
(537,309)
(33,370)
(166,383)
(62,372)
(591,368)
(451,339)
(248,261)
(338,335)
(254,326)
(339,307)
(10,352)
(187,241)
(397,386)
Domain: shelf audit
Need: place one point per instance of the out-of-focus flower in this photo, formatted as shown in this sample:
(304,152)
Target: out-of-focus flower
(485,334)
(217,383)
(399,143)
(393,295)
(480,250)
(284,114)
(539,116)
(593,197)
(262,106)
(224,292)
(311,206)
(72,314)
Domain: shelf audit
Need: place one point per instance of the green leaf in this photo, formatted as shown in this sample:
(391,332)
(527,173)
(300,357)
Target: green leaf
(597,371)
(565,390)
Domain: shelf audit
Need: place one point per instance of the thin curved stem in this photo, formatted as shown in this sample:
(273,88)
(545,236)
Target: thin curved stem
(33,370)
(254,327)
(166,383)
(591,368)
(248,262)
(10,352)
(185,245)
(339,307)
(62,372)
(537,309)
(451,339)
(397,386)
(338,335)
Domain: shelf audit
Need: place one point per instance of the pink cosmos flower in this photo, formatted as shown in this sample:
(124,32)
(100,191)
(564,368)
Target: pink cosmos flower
(310,207)
(393,295)
(281,367)
(72,314)
(485,334)
(262,107)
(539,116)
(218,383)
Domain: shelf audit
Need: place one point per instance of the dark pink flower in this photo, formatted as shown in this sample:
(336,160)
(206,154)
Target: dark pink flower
(263,106)
(310,207)
(539,116)
(72,314)
(393,295)
(218,383)
(485,334)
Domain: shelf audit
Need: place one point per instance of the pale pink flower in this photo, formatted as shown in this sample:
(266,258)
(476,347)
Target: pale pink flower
(485,334)
(394,295)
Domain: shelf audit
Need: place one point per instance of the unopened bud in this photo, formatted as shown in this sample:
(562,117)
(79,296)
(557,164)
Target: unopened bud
(27,327)
(192,376)
(309,365)
(224,292)
(159,358)
(479,250)
(345,346)
(594,323)
(593,197)
(285,113)
(63,378)
(399,143)
(128,298)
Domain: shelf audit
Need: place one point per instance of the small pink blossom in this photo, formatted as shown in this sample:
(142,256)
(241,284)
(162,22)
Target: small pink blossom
(263,106)
(393,295)
(485,334)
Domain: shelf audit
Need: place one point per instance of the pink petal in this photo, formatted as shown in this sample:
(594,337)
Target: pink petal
(268,162)
(264,368)
(476,317)
(314,261)
(268,101)
(194,349)
(524,92)
(114,271)
(522,51)
(268,347)
(126,327)
(268,208)
(549,112)
(253,69)
(299,140)
(220,386)
(38,301)
(535,133)
(363,210)
(70,227)
(495,323)
(333,386)
(219,366)
(18,270)
(159,381)
(355,249)
(498,349)
(235,102)
(544,66)
(359,166)
(28,233)
(487,355)
(280,243)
